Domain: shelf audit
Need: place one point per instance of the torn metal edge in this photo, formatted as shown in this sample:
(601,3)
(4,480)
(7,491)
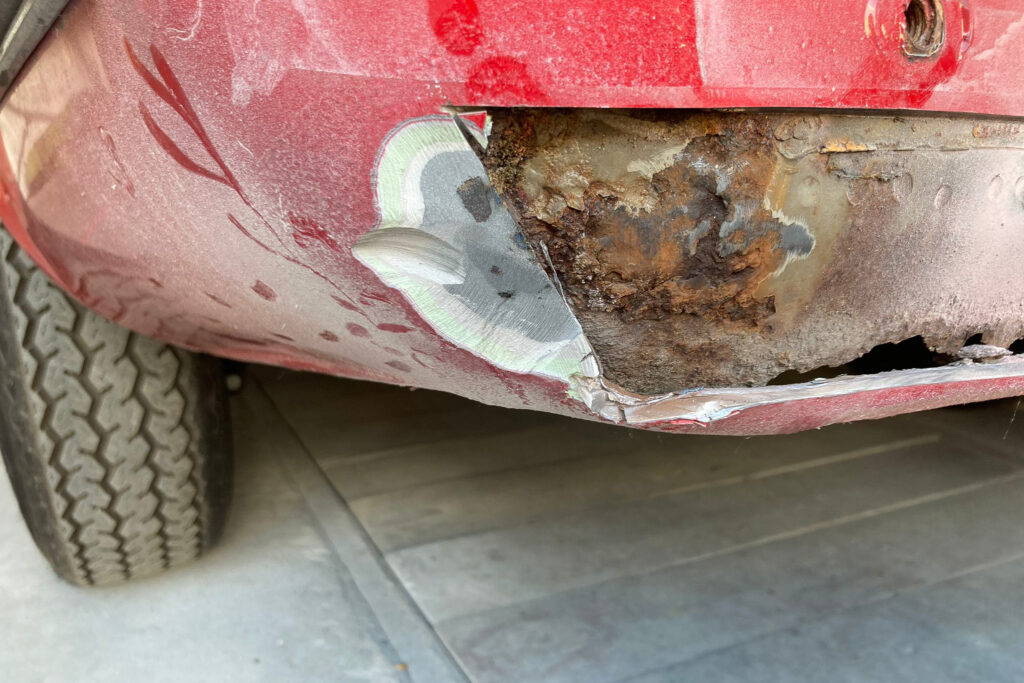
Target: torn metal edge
(705,406)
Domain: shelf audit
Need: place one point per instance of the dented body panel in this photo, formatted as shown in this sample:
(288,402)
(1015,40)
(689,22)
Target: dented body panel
(290,186)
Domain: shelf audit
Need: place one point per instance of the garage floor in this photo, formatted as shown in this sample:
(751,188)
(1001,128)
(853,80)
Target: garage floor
(382,534)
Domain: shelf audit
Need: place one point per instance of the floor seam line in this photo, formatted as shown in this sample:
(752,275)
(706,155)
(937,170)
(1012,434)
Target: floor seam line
(846,456)
(375,556)
(764,541)
(885,597)
(395,451)
(636,500)
(448,480)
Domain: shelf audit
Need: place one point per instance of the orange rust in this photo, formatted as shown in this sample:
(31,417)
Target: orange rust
(726,248)
(665,260)
(844,146)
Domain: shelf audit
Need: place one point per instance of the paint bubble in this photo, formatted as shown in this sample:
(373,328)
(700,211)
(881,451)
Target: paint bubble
(943,196)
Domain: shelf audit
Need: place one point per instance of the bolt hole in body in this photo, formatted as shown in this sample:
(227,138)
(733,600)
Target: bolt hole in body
(924,29)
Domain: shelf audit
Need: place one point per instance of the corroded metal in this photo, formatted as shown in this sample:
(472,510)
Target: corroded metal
(726,248)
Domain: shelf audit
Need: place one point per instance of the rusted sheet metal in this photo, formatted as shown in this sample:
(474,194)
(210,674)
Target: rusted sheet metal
(718,249)
(159,171)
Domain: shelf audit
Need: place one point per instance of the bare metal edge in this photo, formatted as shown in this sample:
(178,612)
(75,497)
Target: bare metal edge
(710,405)
(22,34)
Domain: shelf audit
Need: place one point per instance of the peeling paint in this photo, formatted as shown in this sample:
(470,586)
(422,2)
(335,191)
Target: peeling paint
(661,160)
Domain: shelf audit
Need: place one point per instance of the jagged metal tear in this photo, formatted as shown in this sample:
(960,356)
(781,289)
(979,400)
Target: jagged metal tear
(447,242)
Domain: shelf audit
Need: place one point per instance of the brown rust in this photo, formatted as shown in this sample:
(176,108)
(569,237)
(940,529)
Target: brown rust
(719,249)
(694,243)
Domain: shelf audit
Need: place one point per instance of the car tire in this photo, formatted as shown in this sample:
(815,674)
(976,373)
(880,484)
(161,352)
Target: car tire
(117,445)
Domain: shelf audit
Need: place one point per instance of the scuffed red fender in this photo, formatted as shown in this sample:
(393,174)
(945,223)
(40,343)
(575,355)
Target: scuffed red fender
(201,172)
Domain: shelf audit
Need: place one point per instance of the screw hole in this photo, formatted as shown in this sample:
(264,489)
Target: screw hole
(924,29)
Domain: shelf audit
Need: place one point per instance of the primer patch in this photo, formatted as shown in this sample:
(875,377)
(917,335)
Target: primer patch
(445,240)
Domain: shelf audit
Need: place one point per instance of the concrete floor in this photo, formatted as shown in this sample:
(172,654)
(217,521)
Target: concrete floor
(381,534)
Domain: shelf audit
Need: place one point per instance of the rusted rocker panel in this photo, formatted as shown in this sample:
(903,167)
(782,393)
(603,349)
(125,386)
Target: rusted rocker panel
(725,249)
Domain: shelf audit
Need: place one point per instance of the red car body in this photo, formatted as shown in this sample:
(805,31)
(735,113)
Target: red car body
(204,172)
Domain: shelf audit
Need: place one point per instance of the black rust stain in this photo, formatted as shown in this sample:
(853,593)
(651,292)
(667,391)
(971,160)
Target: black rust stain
(475,197)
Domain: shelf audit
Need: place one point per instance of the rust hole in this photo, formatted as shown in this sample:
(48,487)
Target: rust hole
(661,229)
(924,29)
(909,354)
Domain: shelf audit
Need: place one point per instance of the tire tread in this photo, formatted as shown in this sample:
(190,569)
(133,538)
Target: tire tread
(119,453)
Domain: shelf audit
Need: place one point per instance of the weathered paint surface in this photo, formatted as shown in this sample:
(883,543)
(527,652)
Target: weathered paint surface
(723,249)
(209,173)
